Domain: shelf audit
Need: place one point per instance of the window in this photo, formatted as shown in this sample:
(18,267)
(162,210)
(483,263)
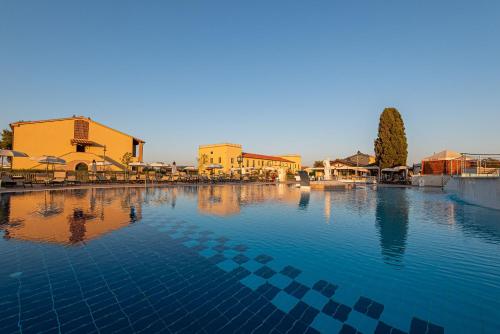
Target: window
(80,148)
(253,164)
(134,147)
(232,160)
(220,159)
(211,160)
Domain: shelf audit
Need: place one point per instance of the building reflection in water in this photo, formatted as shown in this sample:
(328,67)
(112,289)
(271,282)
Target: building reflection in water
(392,224)
(228,200)
(305,196)
(70,216)
(328,206)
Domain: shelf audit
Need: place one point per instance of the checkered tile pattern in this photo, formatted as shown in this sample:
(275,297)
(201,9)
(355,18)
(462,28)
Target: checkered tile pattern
(173,277)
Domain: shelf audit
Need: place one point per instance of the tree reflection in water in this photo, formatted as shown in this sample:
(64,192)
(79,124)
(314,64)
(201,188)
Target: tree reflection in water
(392,224)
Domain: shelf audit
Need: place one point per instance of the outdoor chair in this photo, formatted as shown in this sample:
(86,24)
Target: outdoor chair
(71,179)
(7,181)
(101,178)
(42,179)
(120,178)
(58,179)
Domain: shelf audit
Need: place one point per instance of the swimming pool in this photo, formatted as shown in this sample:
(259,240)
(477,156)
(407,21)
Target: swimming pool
(251,258)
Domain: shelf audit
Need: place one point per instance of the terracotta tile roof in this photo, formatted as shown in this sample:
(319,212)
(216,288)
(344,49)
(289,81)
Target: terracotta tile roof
(85,142)
(264,157)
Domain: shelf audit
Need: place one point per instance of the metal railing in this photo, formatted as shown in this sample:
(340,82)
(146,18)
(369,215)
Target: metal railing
(477,165)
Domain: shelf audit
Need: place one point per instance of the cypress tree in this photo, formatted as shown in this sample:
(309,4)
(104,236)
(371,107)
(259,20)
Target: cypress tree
(391,147)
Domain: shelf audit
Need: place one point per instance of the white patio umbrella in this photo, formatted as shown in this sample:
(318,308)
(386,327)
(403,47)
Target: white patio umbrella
(12,154)
(49,160)
(189,168)
(138,164)
(214,166)
(103,163)
(158,164)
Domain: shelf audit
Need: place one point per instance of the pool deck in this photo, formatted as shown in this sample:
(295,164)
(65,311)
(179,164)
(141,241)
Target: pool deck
(121,185)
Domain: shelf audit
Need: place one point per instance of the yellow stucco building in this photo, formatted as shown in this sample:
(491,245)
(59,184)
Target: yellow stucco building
(231,157)
(78,140)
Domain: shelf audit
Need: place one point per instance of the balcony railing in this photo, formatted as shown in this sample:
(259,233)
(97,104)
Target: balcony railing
(477,165)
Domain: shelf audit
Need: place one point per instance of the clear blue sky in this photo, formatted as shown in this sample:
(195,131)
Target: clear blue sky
(308,77)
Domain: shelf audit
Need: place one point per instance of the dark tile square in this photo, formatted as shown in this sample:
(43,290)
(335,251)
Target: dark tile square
(320,285)
(290,271)
(342,312)
(434,329)
(346,329)
(265,272)
(299,327)
(309,315)
(298,310)
(383,328)
(375,310)
(418,326)
(330,308)
(240,248)
(296,289)
(217,258)
(362,305)
(240,259)
(329,290)
(263,258)
(311,330)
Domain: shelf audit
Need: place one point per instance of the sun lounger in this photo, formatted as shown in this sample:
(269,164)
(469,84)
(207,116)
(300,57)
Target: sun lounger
(58,179)
(71,179)
(7,181)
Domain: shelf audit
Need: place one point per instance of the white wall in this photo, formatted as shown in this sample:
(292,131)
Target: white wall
(484,191)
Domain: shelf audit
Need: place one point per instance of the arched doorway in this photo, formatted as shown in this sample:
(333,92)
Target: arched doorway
(81,167)
(82,172)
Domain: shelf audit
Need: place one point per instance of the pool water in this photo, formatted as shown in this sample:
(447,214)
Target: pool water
(247,259)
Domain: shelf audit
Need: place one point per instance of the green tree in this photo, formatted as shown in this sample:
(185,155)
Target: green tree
(391,147)
(6,141)
(126,159)
(318,163)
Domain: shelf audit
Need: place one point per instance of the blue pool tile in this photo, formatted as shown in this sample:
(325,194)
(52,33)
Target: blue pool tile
(326,324)
(346,296)
(230,253)
(252,265)
(227,265)
(253,281)
(279,280)
(362,322)
(284,301)
(208,253)
(191,243)
(315,299)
